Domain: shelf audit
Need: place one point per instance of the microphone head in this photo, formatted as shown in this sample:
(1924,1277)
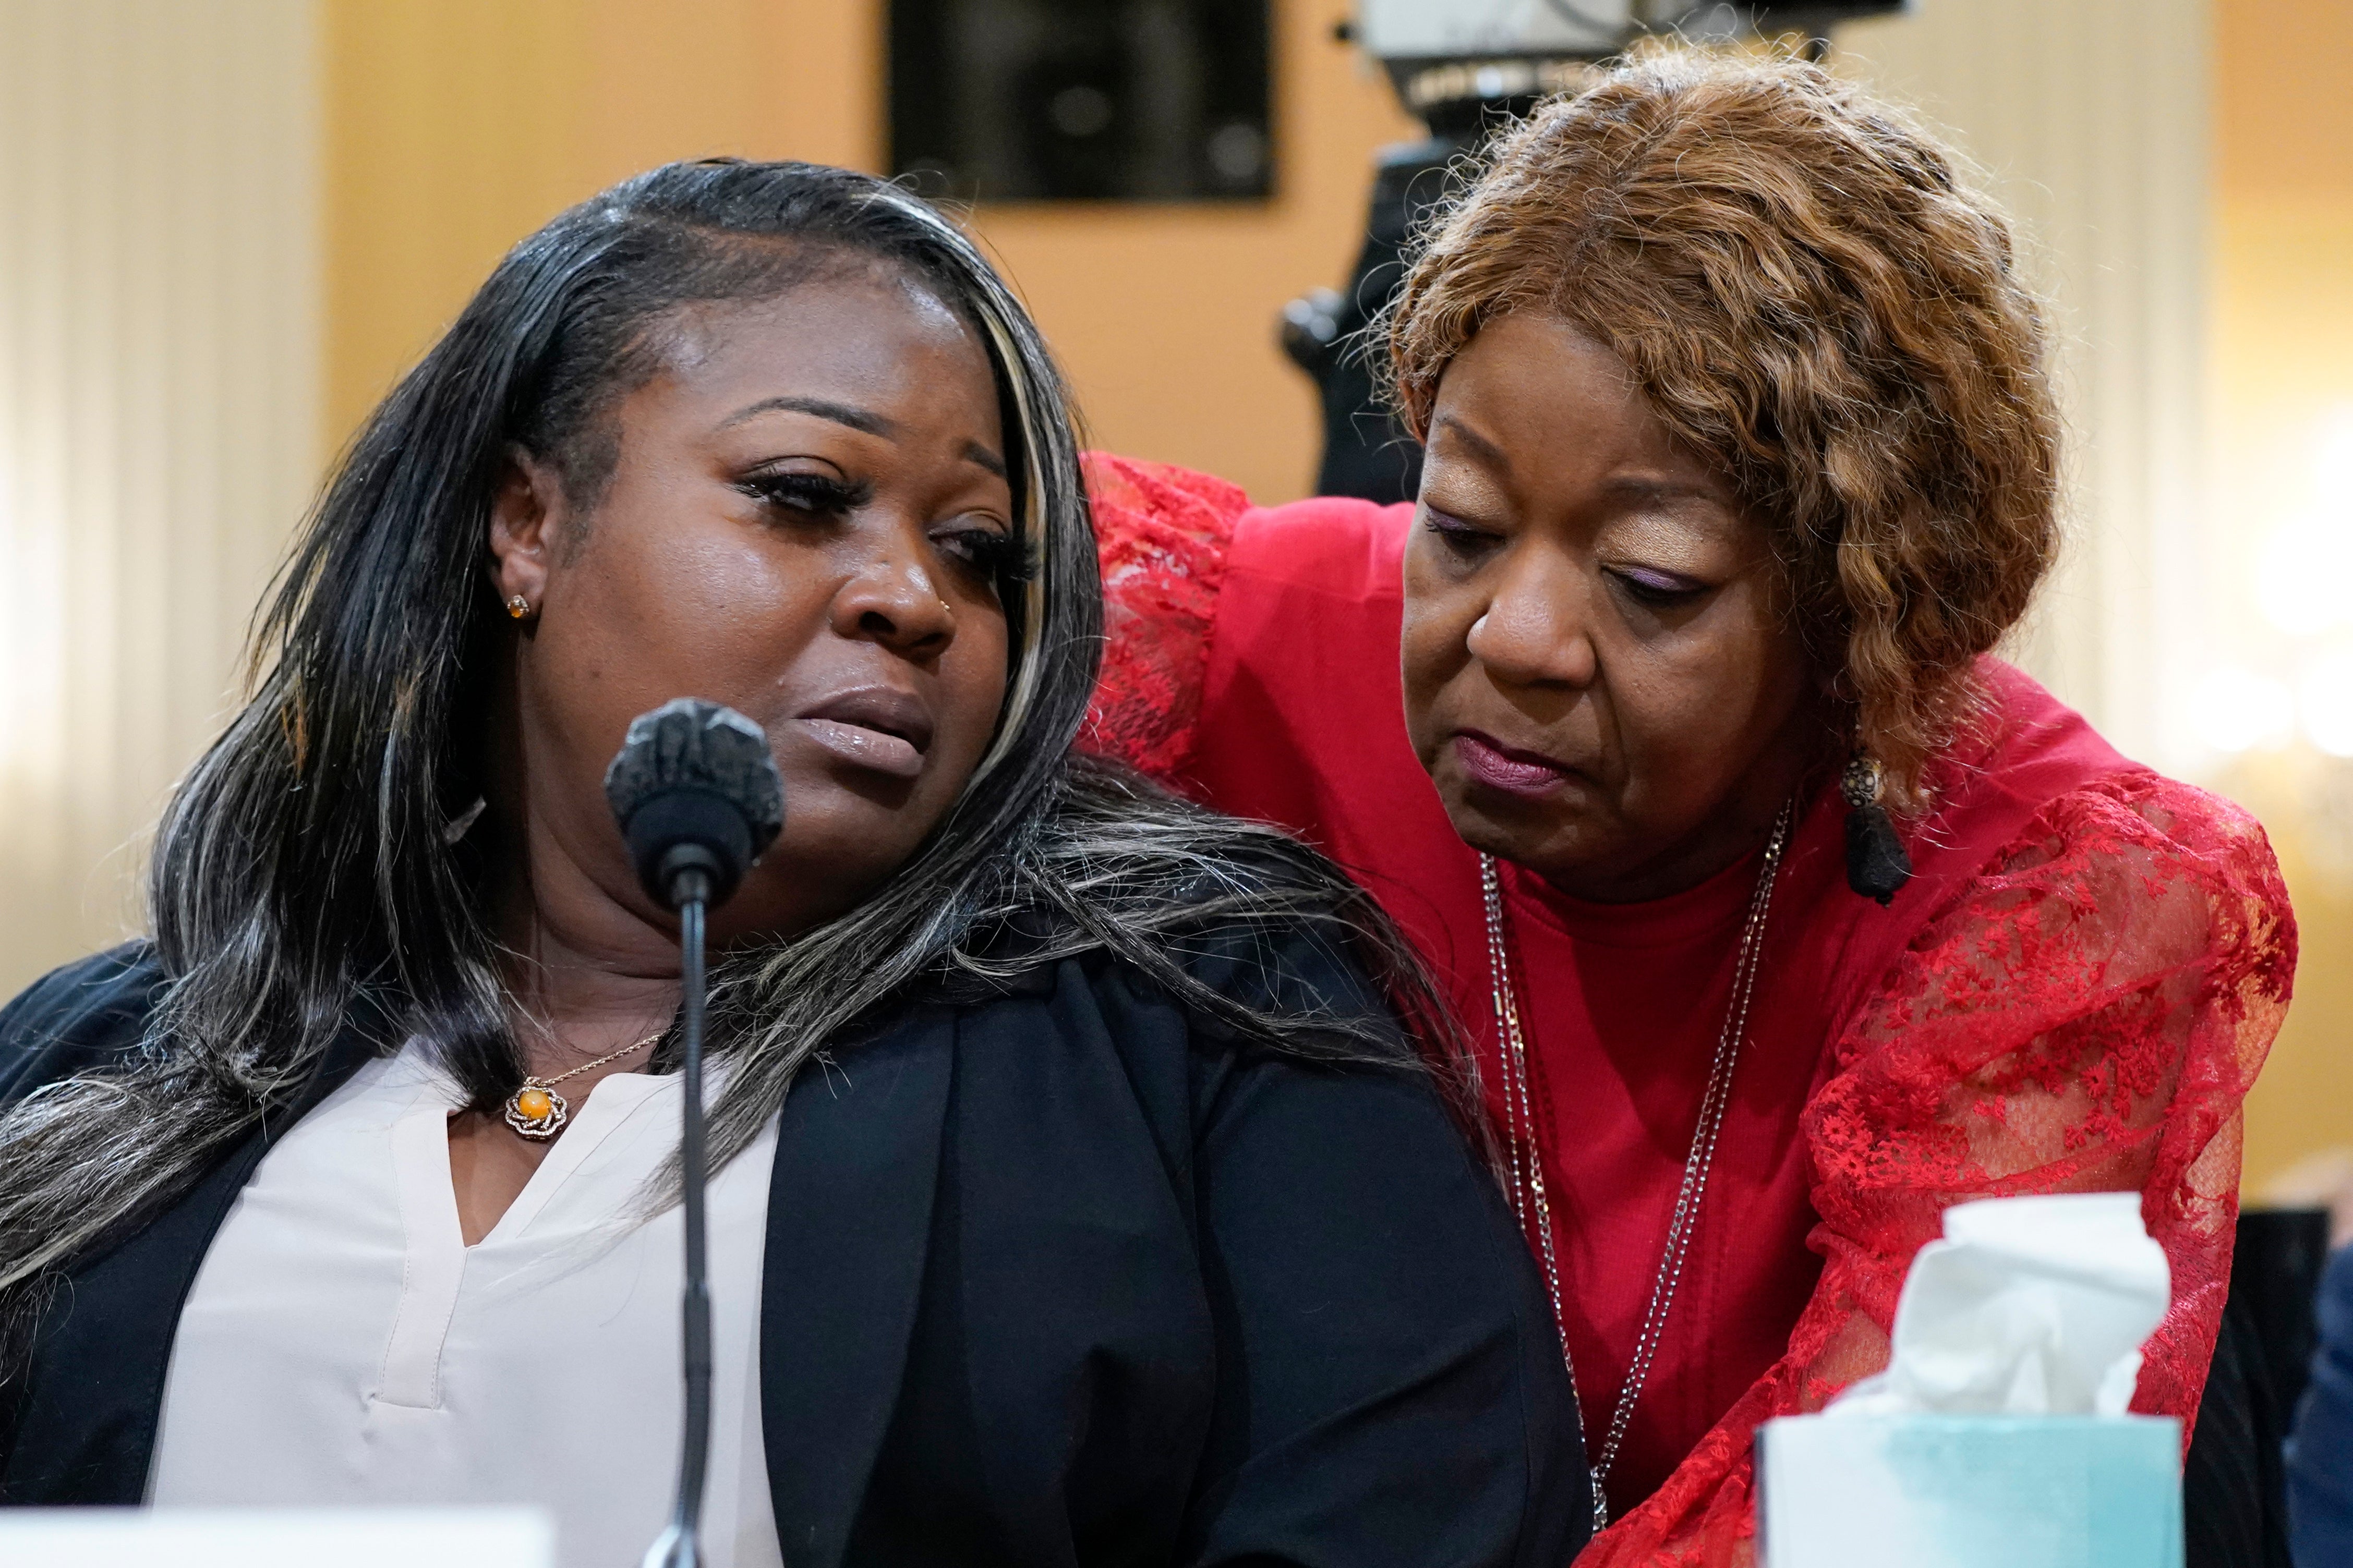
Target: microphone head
(696,793)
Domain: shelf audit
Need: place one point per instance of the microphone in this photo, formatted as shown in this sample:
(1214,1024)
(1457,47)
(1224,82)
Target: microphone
(697,796)
(695,791)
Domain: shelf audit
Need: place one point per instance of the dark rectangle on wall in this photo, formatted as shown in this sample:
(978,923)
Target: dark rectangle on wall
(1137,101)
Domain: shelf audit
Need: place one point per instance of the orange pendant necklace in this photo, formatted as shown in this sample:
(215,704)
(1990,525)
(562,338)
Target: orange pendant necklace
(536,1111)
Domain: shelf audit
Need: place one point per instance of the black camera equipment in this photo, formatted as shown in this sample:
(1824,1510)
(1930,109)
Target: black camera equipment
(1463,67)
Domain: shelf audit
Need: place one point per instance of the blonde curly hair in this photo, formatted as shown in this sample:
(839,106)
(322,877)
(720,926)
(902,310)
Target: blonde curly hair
(1811,299)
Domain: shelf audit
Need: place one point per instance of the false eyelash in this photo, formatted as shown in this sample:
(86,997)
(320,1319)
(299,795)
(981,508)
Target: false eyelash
(818,493)
(1000,557)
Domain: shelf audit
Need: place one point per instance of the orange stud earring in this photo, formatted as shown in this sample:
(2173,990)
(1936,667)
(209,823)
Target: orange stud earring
(518,607)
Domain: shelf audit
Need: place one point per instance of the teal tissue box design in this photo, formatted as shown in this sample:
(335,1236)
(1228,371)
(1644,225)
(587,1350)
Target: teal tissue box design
(1970,1492)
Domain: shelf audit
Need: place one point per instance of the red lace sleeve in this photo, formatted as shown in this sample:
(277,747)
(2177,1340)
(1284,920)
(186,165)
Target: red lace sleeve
(2086,1015)
(1162,534)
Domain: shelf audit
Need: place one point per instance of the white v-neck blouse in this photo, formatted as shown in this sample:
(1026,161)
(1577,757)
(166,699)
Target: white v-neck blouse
(341,1344)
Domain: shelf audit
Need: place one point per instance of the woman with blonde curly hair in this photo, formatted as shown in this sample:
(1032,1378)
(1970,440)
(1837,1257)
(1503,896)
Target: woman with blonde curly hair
(1668,724)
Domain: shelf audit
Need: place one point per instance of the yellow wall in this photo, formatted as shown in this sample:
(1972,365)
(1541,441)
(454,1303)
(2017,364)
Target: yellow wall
(1166,316)
(454,129)
(2281,355)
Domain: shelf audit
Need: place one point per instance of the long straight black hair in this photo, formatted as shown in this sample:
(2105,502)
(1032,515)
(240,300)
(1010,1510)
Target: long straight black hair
(314,866)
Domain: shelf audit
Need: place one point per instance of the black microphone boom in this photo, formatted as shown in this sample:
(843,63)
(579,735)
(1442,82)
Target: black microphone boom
(697,796)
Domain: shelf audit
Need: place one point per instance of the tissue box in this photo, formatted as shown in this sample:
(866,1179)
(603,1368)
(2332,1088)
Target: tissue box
(1970,1492)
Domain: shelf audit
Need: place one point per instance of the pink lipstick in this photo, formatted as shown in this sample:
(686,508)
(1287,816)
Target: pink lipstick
(875,727)
(1498,766)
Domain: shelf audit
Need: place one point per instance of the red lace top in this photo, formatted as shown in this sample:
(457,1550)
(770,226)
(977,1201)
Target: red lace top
(2073,992)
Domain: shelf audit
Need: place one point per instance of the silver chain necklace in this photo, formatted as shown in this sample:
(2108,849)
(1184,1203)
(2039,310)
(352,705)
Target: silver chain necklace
(1528,1199)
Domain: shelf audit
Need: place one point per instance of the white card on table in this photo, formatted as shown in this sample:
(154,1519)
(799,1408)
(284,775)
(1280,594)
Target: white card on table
(276,1538)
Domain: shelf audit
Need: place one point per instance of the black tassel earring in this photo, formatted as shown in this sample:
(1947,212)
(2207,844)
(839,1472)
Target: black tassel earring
(1876,865)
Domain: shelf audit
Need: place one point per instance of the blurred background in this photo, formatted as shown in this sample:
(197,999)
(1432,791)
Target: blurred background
(228,225)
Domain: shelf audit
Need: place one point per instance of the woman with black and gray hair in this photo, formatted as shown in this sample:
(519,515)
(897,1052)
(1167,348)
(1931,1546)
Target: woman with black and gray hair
(1079,1196)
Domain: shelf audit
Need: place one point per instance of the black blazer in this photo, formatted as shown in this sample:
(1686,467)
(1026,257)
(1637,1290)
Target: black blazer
(1057,1276)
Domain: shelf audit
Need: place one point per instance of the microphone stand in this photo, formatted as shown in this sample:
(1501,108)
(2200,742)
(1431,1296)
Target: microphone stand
(695,791)
(681,1545)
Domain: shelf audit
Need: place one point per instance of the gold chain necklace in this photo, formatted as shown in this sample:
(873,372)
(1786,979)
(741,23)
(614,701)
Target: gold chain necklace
(539,1113)
(1529,1200)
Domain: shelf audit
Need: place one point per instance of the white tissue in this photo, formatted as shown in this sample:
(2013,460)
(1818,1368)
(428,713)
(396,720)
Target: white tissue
(2032,1306)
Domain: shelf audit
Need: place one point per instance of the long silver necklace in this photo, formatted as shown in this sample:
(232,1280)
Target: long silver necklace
(1529,1202)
